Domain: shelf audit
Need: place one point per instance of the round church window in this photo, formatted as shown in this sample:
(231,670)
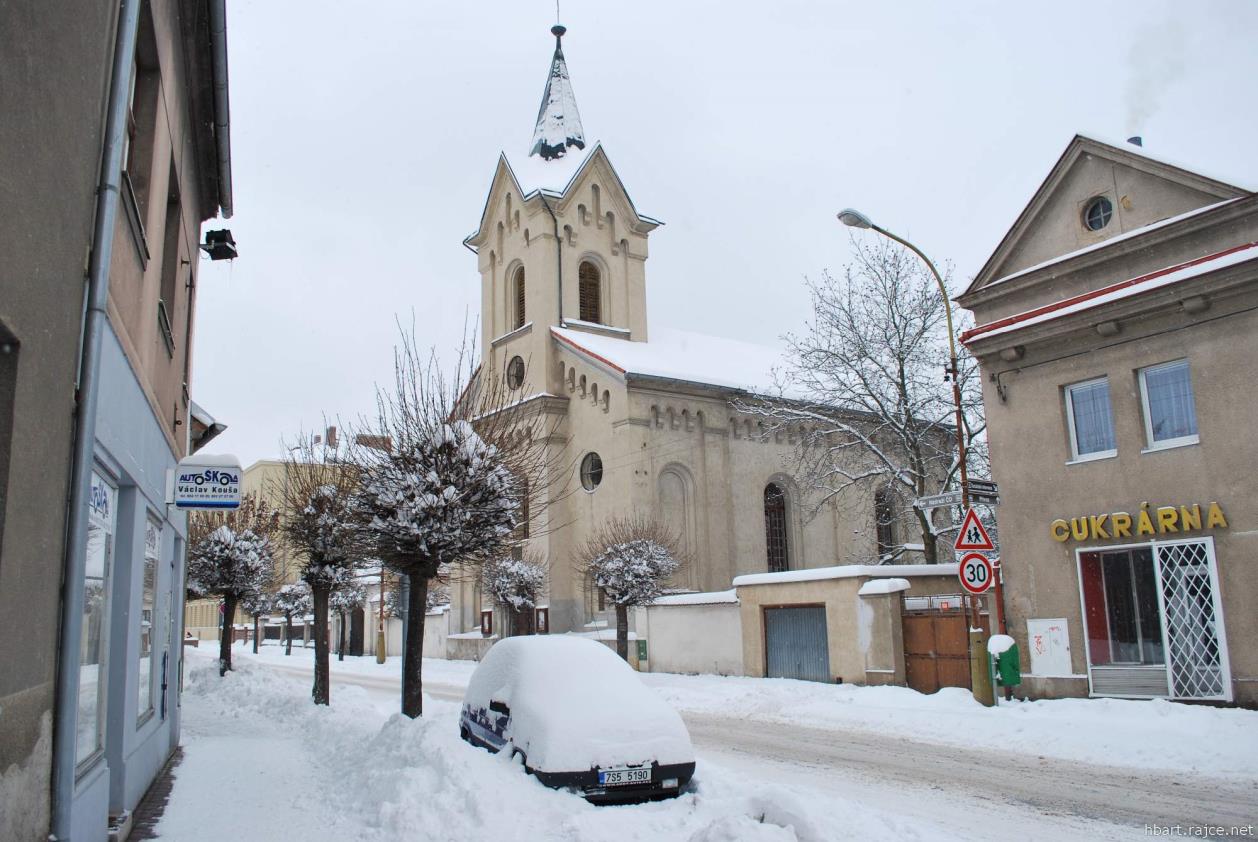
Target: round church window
(591,471)
(515,373)
(1098,213)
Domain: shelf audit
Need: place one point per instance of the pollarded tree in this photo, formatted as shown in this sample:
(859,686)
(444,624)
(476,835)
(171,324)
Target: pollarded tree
(233,565)
(868,396)
(515,584)
(256,605)
(292,600)
(347,597)
(320,526)
(443,492)
(631,560)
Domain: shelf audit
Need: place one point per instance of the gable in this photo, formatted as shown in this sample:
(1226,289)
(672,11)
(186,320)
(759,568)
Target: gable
(1140,190)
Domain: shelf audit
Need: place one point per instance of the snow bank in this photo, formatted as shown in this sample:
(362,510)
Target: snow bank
(845,571)
(576,705)
(353,771)
(729,597)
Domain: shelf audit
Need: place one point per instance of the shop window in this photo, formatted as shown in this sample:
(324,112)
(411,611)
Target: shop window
(776,544)
(93,646)
(1120,600)
(1170,416)
(146,673)
(1090,419)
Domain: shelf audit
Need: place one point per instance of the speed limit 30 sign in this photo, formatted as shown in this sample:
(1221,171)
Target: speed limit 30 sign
(976,573)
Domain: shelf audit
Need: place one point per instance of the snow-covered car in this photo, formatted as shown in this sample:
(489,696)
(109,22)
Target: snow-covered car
(579,717)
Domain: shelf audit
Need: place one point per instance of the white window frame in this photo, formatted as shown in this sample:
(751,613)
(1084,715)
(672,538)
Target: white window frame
(1166,444)
(1075,456)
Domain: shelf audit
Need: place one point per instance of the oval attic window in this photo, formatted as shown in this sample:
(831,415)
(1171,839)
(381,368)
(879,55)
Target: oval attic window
(1098,213)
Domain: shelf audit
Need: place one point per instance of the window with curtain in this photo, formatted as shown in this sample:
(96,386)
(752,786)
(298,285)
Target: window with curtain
(588,284)
(1091,420)
(776,543)
(1170,416)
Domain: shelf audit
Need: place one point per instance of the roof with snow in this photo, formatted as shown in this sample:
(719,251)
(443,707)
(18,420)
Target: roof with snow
(558,122)
(681,356)
(1167,276)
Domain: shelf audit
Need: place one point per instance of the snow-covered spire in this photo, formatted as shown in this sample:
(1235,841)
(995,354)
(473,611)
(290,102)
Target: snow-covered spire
(558,123)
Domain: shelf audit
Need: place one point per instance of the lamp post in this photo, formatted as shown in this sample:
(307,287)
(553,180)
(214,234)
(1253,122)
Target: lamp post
(381,643)
(980,675)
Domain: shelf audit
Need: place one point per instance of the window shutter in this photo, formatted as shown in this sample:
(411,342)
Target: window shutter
(589,292)
(519,298)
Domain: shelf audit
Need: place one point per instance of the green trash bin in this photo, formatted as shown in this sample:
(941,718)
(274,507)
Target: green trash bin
(1008,667)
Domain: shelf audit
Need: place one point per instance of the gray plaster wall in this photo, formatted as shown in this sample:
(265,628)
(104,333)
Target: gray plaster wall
(50,139)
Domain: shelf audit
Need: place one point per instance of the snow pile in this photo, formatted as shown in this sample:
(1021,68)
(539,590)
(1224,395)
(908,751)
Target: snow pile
(878,587)
(999,643)
(575,705)
(259,755)
(729,597)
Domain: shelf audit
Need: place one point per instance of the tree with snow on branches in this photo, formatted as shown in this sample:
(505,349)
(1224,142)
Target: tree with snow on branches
(233,565)
(291,600)
(515,584)
(347,597)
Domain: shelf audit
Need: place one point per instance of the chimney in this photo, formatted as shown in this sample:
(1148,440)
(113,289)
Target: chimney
(331,437)
(1136,140)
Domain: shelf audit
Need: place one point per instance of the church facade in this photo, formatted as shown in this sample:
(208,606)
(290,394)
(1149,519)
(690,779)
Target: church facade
(645,415)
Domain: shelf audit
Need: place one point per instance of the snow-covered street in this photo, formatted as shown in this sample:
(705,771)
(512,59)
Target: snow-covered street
(858,769)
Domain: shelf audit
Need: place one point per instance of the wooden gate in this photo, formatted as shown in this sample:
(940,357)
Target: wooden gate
(937,648)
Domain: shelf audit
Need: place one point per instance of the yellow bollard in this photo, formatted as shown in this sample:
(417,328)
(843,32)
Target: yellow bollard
(980,670)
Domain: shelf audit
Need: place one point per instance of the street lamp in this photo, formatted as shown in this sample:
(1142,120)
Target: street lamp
(855,219)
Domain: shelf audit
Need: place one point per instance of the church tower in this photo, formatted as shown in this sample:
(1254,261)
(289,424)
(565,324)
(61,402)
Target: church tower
(560,244)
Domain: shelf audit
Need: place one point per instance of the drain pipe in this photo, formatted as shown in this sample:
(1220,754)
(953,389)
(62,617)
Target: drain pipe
(72,584)
(222,113)
(558,252)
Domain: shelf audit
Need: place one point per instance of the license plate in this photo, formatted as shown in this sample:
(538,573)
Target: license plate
(622,777)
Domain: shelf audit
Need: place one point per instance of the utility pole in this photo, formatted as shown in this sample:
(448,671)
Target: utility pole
(380,643)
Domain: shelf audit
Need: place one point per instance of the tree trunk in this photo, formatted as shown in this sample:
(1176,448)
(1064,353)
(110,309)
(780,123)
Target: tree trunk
(321,690)
(225,638)
(340,644)
(622,631)
(257,627)
(413,648)
(288,634)
(522,621)
(929,549)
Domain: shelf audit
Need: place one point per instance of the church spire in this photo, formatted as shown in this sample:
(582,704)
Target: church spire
(558,123)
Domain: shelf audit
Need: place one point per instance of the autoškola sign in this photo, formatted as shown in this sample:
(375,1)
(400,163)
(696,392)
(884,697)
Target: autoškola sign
(207,483)
(1162,520)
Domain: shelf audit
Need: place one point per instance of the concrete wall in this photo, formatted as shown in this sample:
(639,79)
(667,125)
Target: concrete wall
(50,141)
(694,639)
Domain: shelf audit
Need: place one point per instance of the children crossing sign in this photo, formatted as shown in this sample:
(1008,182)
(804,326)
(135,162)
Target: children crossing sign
(972,537)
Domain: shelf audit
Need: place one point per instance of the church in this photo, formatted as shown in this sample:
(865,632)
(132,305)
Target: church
(646,413)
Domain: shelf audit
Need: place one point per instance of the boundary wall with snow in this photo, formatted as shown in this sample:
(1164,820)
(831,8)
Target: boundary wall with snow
(697,633)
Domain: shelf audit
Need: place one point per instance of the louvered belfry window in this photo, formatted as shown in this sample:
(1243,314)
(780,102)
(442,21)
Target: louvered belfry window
(588,288)
(519,298)
(775,528)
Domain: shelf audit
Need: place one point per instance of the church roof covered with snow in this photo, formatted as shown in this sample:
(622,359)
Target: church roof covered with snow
(681,356)
(558,121)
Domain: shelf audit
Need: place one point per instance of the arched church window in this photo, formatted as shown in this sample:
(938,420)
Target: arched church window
(588,288)
(775,528)
(884,521)
(517,299)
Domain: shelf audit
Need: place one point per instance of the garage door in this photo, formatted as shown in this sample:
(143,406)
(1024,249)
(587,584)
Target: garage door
(795,643)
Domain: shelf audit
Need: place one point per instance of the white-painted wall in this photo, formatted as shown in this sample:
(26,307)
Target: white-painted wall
(692,638)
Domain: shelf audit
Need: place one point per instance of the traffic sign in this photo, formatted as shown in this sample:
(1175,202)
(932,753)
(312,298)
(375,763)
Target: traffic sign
(987,488)
(976,573)
(938,501)
(972,535)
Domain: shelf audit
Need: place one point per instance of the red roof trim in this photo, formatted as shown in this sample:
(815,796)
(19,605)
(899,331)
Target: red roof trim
(586,351)
(977,332)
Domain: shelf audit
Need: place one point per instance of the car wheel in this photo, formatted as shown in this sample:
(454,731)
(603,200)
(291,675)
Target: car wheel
(464,735)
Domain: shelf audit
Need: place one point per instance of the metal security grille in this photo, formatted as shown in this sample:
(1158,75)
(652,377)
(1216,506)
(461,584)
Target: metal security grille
(589,292)
(1195,653)
(775,528)
(796,645)
(519,298)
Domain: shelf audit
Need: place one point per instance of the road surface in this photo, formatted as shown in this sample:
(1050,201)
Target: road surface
(968,793)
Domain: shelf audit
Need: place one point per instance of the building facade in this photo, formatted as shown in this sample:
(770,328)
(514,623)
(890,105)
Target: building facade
(1116,329)
(113,152)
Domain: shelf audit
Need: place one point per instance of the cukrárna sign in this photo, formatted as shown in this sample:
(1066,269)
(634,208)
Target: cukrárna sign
(1148,520)
(209,482)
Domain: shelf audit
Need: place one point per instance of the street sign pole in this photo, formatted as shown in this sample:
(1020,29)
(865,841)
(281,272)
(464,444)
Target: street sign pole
(976,575)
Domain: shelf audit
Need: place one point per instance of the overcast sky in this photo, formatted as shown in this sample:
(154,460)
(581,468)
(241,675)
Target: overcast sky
(364,136)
